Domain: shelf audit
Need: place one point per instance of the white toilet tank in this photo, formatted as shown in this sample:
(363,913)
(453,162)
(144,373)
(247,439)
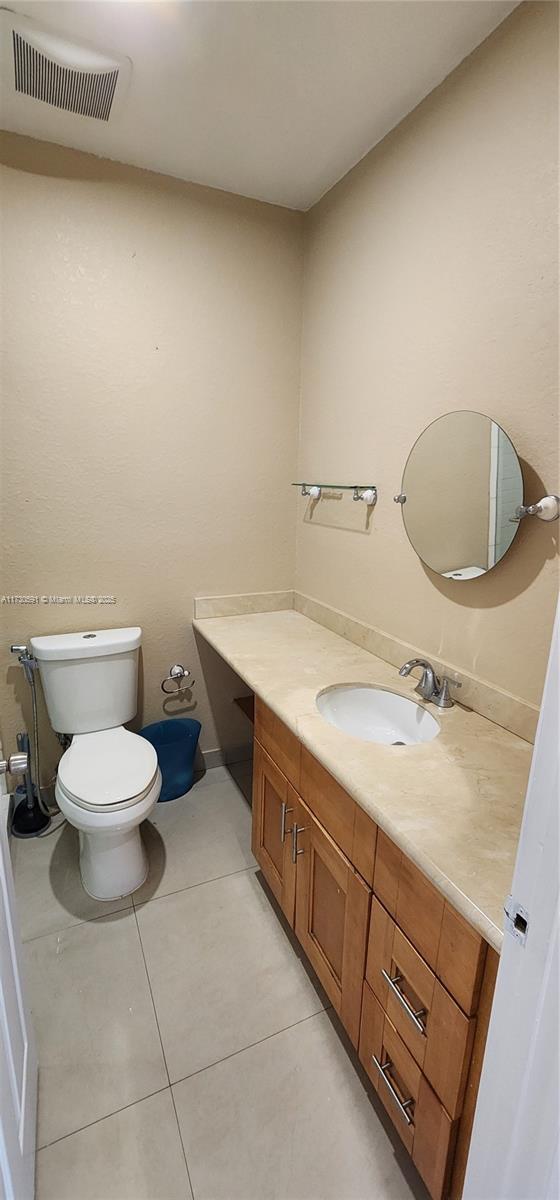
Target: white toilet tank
(90,679)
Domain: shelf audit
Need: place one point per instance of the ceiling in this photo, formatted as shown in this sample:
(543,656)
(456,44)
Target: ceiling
(274,99)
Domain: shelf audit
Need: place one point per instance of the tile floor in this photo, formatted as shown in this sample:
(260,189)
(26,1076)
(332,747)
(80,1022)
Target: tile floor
(185,1049)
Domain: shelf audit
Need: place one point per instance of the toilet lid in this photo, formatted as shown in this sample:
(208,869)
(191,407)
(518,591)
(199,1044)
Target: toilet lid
(110,768)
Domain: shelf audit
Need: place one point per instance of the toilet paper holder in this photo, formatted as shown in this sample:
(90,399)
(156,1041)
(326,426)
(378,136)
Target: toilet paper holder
(177,674)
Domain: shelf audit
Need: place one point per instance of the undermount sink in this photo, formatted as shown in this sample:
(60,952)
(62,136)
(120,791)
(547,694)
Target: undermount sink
(376,715)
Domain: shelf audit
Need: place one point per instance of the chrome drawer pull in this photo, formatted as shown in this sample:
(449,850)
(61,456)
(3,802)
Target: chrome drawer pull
(402,1105)
(414,1016)
(283,813)
(294,831)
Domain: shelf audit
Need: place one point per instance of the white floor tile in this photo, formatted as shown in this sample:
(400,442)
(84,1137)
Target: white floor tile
(222,971)
(49,890)
(134,1155)
(200,836)
(97,1037)
(287,1120)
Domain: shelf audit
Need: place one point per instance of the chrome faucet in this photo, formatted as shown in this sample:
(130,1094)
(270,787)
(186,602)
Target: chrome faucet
(431,687)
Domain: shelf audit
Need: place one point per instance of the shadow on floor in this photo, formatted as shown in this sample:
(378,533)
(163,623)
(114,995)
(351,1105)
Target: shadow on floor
(65,858)
(242,775)
(240,772)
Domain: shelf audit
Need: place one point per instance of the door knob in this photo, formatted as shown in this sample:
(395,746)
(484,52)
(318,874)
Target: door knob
(16,764)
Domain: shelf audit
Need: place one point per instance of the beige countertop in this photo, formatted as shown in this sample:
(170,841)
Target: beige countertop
(454,805)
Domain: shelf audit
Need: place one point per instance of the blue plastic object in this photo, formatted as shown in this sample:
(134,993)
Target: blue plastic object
(175,743)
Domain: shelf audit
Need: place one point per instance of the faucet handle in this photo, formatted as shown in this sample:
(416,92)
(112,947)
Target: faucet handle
(443,699)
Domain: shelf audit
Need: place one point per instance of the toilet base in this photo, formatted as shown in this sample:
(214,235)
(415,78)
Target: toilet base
(112,865)
(113,861)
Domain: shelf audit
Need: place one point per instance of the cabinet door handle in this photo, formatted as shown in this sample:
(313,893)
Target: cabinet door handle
(295,830)
(402,1105)
(414,1016)
(284,810)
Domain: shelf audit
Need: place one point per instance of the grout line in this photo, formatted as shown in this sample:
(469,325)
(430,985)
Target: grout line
(163,1053)
(170,1086)
(181,1141)
(250,1046)
(152,997)
(105,1117)
(135,906)
(190,886)
(127,908)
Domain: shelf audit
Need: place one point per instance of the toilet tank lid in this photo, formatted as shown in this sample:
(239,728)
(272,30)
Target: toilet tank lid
(92,643)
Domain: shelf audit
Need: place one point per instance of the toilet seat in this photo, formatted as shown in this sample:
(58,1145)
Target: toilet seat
(108,770)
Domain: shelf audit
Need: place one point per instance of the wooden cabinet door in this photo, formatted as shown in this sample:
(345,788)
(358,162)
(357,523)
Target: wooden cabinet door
(332,912)
(273,811)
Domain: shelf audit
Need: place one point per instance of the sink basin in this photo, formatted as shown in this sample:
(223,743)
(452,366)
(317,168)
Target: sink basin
(376,715)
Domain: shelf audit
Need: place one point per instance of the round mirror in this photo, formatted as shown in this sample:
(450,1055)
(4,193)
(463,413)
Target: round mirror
(461,487)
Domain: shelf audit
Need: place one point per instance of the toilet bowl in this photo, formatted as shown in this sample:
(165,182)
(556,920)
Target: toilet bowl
(107,784)
(108,779)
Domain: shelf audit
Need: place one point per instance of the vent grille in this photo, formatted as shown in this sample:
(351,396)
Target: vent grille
(85,93)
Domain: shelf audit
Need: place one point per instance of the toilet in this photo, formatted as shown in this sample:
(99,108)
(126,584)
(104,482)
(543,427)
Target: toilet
(108,779)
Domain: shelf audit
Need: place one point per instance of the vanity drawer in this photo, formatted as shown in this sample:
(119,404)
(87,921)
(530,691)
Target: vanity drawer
(409,897)
(279,742)
(430,1023)
(443,938)
(328,801)
(424,1126)
(364,841)
(461,959)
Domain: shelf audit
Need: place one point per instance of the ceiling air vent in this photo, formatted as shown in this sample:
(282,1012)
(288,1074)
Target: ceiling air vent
(87,93)
(63,74)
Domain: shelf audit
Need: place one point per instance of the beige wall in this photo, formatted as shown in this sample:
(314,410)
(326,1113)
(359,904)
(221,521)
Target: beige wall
(151,372)
(150,388)
(431,284)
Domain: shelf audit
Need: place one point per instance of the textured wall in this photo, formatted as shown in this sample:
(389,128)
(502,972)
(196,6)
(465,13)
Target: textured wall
(150,381)
(431,284)
(150,389)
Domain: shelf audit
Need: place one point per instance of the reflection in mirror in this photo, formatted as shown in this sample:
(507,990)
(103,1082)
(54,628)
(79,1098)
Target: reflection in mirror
(462,484)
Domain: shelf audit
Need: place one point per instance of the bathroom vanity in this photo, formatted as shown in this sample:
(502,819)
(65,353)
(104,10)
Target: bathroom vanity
(391,863)
(401,967)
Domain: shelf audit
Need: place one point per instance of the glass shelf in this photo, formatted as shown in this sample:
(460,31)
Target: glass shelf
(360,491)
